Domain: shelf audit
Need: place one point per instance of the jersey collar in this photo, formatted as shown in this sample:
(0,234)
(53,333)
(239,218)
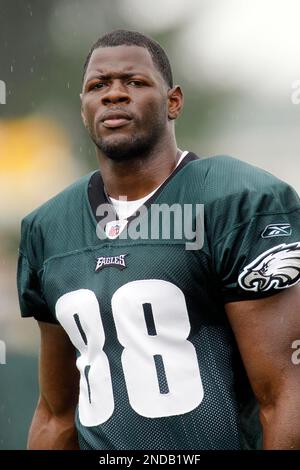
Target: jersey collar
(97,194)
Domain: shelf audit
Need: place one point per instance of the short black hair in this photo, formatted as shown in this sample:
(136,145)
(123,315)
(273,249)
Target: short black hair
(120,37)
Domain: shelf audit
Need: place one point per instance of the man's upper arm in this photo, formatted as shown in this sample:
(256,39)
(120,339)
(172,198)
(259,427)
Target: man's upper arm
(59,377)
(265,331)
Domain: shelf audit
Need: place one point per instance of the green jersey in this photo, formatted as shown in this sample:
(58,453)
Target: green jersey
(158,362)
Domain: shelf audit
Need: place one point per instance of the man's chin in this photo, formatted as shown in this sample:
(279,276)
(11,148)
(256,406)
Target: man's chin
(121,149)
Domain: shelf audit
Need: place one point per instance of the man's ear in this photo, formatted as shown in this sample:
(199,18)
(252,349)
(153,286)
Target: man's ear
(175,102)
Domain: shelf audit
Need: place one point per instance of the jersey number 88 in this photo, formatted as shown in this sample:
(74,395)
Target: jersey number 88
(163,353)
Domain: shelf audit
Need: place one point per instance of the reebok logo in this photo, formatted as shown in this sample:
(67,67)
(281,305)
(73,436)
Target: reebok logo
(277,230)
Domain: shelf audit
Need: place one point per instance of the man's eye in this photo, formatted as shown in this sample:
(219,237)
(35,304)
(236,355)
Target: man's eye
(136,83)
(96,86)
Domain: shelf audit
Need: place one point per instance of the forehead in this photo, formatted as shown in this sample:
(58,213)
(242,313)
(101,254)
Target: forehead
(120,59)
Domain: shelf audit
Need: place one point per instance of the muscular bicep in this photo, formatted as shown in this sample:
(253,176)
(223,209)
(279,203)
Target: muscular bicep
(266,331)
(58,375)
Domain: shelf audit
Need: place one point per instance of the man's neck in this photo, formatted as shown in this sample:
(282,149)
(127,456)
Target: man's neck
(140,176)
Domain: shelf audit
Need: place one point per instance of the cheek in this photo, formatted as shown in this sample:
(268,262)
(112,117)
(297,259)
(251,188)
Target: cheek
(155,109)
(90,109)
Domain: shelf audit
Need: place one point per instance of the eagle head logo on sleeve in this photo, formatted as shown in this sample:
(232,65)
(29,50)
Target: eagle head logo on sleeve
(276,268)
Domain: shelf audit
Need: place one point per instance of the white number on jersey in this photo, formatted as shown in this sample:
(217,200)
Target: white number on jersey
(160,365)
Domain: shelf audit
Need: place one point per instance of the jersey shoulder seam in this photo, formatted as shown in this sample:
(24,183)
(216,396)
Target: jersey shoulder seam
(237,226)
(40,213)
(31,266)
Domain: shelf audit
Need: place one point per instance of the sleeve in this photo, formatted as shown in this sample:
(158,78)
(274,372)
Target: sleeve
(31,299)
(259,255)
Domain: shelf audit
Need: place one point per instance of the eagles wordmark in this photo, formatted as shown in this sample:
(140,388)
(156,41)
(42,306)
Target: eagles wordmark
(105,261)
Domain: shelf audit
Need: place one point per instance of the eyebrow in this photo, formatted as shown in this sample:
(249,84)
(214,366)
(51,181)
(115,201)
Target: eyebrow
(109,76)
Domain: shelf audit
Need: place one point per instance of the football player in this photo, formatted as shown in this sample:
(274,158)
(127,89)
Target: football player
(145,340)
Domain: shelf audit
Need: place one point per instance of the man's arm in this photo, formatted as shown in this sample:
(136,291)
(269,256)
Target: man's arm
(53,422)
(265,330)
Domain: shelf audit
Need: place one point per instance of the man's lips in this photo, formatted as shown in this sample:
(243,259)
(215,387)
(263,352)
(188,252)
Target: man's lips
(117,119)
(115,122)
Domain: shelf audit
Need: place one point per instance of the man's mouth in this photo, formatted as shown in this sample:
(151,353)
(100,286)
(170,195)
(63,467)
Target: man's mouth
(111,123)
(115,119)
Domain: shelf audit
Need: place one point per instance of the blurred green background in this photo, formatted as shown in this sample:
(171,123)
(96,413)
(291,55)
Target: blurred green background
(238,63)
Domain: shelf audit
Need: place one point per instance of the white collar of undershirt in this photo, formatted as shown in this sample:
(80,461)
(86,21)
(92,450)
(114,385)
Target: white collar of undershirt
(125,208)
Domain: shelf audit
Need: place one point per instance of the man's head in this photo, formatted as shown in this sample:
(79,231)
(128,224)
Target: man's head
(128,98)
(122,37)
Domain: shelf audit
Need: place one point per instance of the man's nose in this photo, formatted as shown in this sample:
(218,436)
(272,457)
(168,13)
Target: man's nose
(116,93)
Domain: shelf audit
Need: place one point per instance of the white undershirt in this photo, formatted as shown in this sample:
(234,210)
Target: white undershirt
(125,208)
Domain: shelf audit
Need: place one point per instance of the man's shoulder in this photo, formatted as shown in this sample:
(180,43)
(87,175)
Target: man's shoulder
(223,175)
(69,199)
(224,167)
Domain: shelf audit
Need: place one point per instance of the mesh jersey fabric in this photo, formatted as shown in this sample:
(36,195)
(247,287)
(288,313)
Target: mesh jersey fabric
(150,377)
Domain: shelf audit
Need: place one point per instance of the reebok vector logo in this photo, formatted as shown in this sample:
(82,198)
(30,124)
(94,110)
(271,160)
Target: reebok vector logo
(277,230)
(115,261)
